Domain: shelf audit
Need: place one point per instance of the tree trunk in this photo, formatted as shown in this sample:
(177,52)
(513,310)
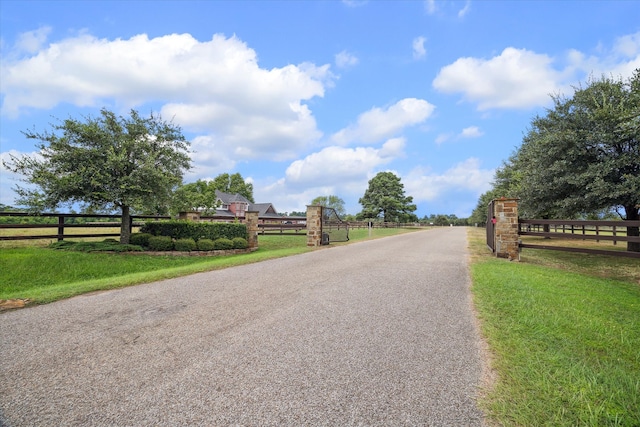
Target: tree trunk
(632,214)
(125,226)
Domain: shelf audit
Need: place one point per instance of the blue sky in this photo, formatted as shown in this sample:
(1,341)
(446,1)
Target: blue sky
(312,98)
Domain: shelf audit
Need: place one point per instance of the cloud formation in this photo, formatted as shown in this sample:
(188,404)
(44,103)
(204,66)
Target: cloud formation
(215,87)
(379,124)
(419,50)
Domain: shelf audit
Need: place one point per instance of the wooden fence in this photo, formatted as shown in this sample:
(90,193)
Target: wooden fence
(613,231)
(58,222)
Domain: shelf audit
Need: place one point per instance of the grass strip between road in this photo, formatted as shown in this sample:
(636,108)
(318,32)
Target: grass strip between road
(564,344)
(43,275)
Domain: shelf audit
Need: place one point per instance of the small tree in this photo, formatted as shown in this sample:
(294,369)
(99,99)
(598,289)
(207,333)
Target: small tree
(234,184)
(385,196)
(104,162)
(195,196)
(334,202)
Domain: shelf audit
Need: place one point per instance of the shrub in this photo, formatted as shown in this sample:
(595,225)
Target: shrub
(195,230)
(160,243)
(222,244)
(108,245)
(240,243)
(205,245)
(185,245)
(140,239)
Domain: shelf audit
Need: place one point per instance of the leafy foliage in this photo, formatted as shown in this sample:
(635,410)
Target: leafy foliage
(205,245)
(108,162)
(140,239)
(185,245)
(334,202)
(195,230)
(160,243)
(240,243)
(385,195)
(582,158)
(222,244)
(108,245)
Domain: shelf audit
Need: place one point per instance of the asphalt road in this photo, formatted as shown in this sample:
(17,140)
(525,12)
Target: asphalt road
(377,333)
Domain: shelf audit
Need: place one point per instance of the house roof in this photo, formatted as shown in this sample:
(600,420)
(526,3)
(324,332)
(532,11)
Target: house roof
(263,209)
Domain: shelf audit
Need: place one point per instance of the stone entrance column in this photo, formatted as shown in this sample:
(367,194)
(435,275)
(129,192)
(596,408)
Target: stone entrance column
(251,219)
(314,225)
(506,229)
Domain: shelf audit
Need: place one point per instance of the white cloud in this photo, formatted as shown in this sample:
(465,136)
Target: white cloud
(517,78)
(344,59)
(32,41)
(339,165)
(520,78)
(419,51)
(379,124)
(463,12)
(430,6)
(471,132)
(215,87)
(464,177)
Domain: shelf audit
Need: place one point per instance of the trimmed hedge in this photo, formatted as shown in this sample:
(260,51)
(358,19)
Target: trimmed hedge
(160,243)
(185,245)
(222,244)
(140,239)
(195,230)
(205,245)
(240,243)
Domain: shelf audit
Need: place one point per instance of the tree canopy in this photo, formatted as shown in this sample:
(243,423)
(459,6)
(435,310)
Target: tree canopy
(201,195)
(104,162)
(582,156)
(385,196)
(334,202)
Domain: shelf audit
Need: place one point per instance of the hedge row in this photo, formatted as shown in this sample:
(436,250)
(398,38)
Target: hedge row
(166,243)
(195,230)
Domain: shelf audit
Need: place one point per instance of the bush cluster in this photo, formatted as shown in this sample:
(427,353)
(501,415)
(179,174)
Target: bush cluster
(166,243)
(195,230)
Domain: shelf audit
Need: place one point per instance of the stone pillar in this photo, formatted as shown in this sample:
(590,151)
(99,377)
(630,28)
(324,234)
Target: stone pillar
(189,216)
(251,219)
(506,228)
(314,225)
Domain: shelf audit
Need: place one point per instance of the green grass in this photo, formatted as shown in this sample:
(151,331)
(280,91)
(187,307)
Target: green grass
(43,275)
(564,338)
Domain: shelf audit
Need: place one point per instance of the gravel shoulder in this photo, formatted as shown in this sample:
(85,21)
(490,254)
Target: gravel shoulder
(377,333)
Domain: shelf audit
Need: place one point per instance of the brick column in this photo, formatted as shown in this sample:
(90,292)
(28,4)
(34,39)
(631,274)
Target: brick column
(314,225)
(251,219)
(506,228)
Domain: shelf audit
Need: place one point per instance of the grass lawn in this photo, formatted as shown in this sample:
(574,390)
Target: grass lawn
(44,275)
(564,335)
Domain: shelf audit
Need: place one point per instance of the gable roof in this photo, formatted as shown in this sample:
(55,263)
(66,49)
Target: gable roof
(263,209)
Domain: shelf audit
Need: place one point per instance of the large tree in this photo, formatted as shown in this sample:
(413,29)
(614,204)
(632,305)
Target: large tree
(334,202)
(108,161)
(583,156)
(385,196)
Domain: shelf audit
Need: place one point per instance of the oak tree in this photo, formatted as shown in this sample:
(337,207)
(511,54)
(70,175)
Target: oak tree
(104,162)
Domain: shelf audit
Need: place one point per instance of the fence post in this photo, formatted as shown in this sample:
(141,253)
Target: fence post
(506,229)
(251,218)
(314,225)
(60,228)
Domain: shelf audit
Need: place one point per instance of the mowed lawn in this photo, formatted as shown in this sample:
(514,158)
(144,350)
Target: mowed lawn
(42,275)
(564,337)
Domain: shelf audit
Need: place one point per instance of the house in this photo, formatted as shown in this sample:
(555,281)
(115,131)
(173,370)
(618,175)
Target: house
(235,205)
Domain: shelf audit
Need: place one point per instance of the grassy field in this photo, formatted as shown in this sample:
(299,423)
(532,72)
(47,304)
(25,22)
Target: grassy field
(564,333)
(33,272)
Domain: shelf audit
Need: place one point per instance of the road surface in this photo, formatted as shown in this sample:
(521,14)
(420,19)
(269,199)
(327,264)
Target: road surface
(376,333)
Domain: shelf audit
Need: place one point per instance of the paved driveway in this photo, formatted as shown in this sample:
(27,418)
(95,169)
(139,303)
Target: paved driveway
(377,333)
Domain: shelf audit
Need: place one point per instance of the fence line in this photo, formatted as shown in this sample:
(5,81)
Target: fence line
(579,230)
